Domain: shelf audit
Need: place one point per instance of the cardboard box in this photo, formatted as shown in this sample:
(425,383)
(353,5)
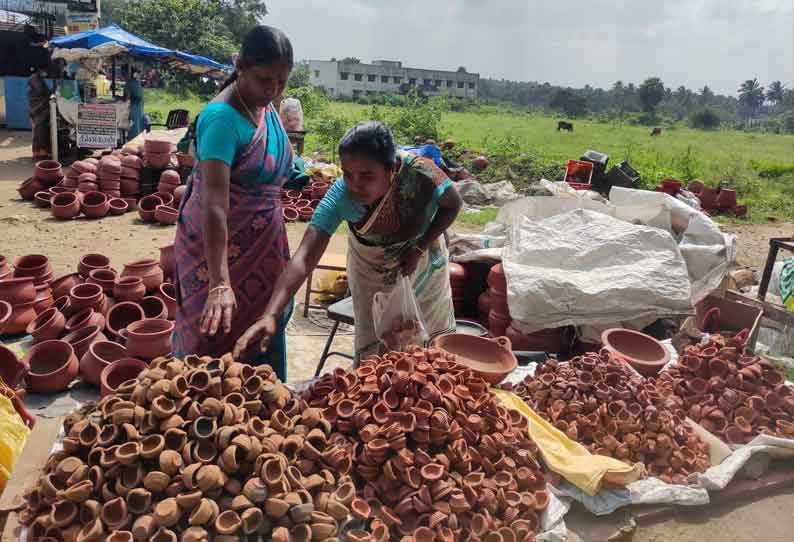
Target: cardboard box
(734,316)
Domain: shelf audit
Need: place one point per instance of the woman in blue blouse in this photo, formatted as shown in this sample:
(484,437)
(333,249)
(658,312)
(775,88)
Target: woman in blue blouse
(397,207)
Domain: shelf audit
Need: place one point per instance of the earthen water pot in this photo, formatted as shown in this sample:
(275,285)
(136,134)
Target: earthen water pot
(12,369)
(104,277)
(48,325)
(52,365)
(95,205)
(167,260)
(44,299)
(87,295)
(179,193)
(290,213)
(118,206)
(90,262)
(17,290)
(84,318)
(82,338)
(63,285)
(120,371)
(154,307)
(28,188)
(34,265)
(100,354)
(147,206)
(148,269)
(149,338)
(121,315)
(22,314)
(42,199)
(167,292)
(166,215)
(641,351)
(65,206)
(129,288)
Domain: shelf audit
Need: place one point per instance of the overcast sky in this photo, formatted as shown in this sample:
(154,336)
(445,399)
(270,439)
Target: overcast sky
(565,42)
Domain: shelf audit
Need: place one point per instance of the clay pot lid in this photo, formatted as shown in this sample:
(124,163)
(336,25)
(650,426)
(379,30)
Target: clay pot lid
(491,359)
(641,351)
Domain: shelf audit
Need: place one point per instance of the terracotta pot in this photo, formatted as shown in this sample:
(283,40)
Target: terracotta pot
(168,260)
(305,213)
(87,178)
(497,325)
(5,314)
(170,176)
(154,307)
(49,324)
(545,340)
(152,145)
(132,161)
(52,366)
(44,298)
(104,278)
(65,206)
(129,187)
(63,285)
(123,314)
(99,355)
(290,214)
(83,166)
(95,205)
(42,199)
(132,203)
(641,351)
(17,290)
(55,190)
(22,314)
(110,186)
(165,215)
(86,188)
(491,359)
(726,199)
(158,160)
(498,302)
(86,295)
(34,265)
(148,269)
(179,193)
(147,206)
(129,288)
(12,370)
(167,292)
(118,372)
(118,206)
(89,262)
(148,339)
(83,337)
(129,173)
(168,199)
(84,318)
(27,190)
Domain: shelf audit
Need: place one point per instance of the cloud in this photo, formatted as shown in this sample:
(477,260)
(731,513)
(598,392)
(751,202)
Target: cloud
(596,42)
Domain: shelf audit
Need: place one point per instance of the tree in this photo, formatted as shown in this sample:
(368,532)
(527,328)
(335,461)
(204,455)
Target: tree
(300,76)
(462,69)
(775,92)
(705,119)
(240,16)
(569,103)
(706,95)
(651,93)
(751,95)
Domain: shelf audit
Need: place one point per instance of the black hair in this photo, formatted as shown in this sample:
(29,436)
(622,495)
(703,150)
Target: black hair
(262,45)
(372,139)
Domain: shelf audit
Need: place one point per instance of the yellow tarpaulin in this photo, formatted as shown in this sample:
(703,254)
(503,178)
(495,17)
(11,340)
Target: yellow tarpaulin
(13,435)
(570,459)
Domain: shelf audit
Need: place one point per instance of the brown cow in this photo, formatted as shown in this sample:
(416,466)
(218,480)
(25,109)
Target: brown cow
(656,132)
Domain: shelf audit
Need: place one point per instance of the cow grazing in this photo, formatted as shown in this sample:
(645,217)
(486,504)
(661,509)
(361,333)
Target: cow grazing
(656,132)
(562,125)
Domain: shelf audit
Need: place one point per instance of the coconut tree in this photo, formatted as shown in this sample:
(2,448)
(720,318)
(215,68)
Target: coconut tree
(775,92)
(751,95)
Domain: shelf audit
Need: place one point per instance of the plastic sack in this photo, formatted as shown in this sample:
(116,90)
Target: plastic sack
(398,320)
(13,435)
(291,113)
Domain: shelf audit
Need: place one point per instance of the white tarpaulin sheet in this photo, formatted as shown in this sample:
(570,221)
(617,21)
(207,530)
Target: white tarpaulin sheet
(586,267)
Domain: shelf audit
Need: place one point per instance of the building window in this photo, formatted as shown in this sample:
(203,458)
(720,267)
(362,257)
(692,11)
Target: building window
(397,80)
(427,82)
(356,93)
(344,75)
(449,83)
(460,84)
(316,73)
(371,78)
(384,78)
(471,85)
(357,76)
(412,81)
(438,82)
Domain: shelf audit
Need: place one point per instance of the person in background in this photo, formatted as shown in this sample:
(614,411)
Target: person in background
(39,110)
(231,242)
(133,91)
(397,207)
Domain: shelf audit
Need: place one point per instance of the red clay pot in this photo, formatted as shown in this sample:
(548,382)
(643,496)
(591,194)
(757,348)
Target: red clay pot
(118,206)
(132,203)
(498,301)
(12,370)
(497,279)
(89,262)
(44,299)
(170,176)
(47,325)
(63,285)
(82,338)
(86,295)
(95,205)
(87,178)
(119,372)
(22,314)
(641,351)
(156,146)
(27,190)
(147,206)
(5,314)
(42,199)
(167,292)
(129,186)
(65,206)
(148,339)
(52,366)
(179,193)
(129,289)
(726,199)
(86,188)
(290,214)
(49,171)
(99,355)
(34,265)
(305,214)
(497,325)
(159,160)
(167,198)
(132,161)
(17,290)
(83,166)
(84,318)
(104,278)
(121,315)
(165,215)
(167,260)
(154,307)
(148,269)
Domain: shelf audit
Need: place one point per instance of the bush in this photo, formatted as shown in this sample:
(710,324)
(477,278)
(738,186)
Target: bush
(705,119)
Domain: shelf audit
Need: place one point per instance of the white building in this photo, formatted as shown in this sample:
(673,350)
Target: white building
(352,79)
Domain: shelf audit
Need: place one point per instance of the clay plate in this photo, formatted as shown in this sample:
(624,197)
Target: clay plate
(492,359)
(641,351)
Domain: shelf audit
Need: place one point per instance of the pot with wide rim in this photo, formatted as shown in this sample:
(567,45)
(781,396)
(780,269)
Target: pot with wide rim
(149,338)
(118,372)
(52,365)
(99,355)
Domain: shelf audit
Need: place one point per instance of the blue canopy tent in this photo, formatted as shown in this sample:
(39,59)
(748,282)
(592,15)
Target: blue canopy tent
(112,40)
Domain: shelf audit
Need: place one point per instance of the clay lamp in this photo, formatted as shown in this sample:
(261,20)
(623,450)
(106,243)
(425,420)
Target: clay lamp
(432,472)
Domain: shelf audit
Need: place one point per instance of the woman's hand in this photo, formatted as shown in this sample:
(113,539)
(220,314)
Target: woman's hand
(220,306)
(410,259)
(265,328)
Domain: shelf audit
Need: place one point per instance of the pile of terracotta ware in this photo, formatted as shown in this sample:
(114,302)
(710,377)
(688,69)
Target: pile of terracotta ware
(712,200)
(457,280)
(431,450)
(601,403)
(299,205)
(157,153)
(729,391)
(159,207)
(195,450)
(84,322)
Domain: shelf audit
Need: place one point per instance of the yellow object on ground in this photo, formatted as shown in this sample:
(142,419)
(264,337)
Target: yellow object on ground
(13,435)
(570,459)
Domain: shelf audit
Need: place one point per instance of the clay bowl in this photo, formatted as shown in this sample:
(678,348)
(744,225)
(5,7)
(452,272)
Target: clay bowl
(65,206)
(63,285)
(491,359)
(290,214)
(641,351)
(95,205)
(52,365)
(123,314)
(27,190)
(11,368)
(99,355)
(168,199)
(47,325)
(118,206)
(42,199)
(165,215)
(147,206)
(89,262)
(149,338)
(82,338)
(5,314)
(17,290)
(86,295)
(118,372)
(48,170)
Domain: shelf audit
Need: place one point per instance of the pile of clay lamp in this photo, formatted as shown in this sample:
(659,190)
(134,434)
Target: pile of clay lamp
(729,391)
(300,204)
(432,451)
(712,200)
(603,404)
(97,323)
(194,450)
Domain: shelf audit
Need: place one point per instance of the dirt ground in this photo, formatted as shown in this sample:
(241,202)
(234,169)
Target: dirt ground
(25,229)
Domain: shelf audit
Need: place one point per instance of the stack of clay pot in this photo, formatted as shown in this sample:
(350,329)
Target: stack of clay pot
(300,205)
(109,176)
(432,451)
(169,181)
(457,279)
(729,391)
(603,404)
(712,200)
(205,449)
(46,174)
(158,207)
(82,171)
(157,153)
(131,165)
(498,314)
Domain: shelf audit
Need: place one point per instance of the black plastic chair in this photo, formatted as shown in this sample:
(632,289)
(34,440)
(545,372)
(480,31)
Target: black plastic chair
(339,312)
(177,118)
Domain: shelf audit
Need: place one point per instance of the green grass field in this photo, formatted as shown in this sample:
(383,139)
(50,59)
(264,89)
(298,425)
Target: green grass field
(524,147)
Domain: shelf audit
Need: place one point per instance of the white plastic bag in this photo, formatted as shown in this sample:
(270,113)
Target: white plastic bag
(398,320)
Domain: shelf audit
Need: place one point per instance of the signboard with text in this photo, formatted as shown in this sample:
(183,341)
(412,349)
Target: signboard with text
(96,126)
(80,22)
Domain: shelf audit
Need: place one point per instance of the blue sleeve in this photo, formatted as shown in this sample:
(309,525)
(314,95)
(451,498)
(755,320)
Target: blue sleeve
(217,134)
(335,207)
